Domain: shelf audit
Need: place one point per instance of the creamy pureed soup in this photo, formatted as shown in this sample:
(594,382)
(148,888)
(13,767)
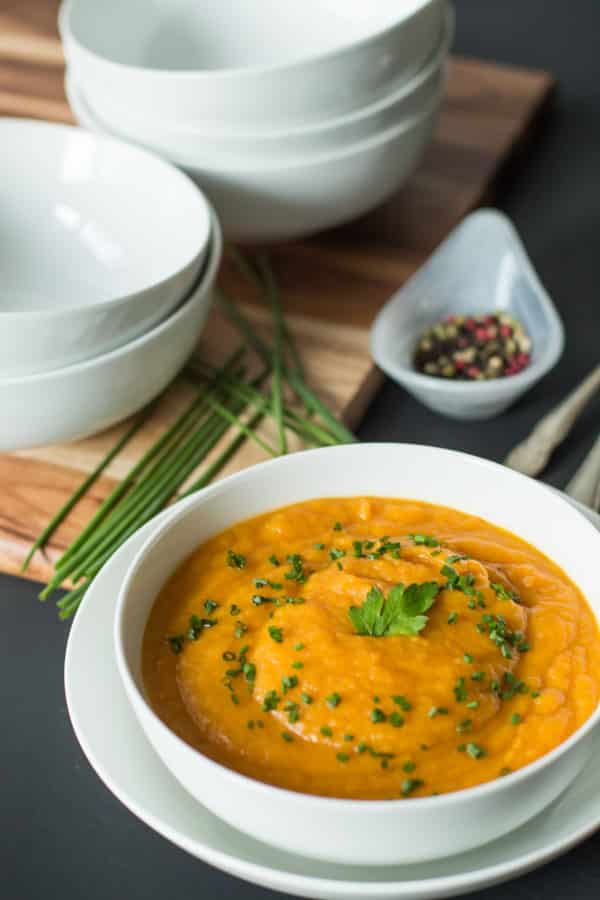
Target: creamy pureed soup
(371,648)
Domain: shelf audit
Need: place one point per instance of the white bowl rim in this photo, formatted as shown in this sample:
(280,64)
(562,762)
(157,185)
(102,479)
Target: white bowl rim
(432,64)
(229,73)
(103,137)
(549,356)
(205,277)
(298,797)
(364,146)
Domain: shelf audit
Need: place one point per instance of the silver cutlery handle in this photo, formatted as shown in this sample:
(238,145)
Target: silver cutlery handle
(531,456)
(585,484)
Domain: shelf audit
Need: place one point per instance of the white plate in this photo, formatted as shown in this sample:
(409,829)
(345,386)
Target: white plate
(129,767)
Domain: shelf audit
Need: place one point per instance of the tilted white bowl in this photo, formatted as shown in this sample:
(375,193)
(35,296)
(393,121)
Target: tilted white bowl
(347,831)
(292,144)
(290,200)
(241,64)
(100,241)
(70,403)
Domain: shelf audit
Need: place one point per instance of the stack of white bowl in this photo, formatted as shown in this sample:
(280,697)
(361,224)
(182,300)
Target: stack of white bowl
(108,259)
(294,117)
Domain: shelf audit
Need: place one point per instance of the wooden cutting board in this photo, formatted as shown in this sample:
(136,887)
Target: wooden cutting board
(332,285)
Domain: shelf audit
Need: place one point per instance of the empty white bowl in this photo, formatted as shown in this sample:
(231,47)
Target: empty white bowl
(333,135)
(290,200)
(100,241)
(360,832)
(70,403)
(264,65)
(481,267)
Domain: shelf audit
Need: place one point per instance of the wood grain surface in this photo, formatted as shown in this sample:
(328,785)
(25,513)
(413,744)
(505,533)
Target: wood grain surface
(332,285)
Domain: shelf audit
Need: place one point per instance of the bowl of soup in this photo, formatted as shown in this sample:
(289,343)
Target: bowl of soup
(370,654)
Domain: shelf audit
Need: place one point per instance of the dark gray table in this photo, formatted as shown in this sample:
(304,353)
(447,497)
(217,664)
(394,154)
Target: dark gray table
(64,835)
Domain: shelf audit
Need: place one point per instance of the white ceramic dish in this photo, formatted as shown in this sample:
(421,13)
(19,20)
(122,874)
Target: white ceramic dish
(244,65)
(201,145)
(100,241)
(126,763)
(71,403)
(346,831)
(481,267)
(293,200)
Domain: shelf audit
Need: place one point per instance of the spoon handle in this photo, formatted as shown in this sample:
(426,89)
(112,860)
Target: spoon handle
(585,484)
(531,456)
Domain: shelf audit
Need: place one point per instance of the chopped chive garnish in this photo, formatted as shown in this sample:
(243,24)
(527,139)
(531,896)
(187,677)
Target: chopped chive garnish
(249,670)
(229,656)
(336,553)
(452,618)
(409,785)
(299,646)
(275,633)
(234,610)
(408,766)
(516,719)
(342,757)
(472,704)
(288,682)
(240,629)
(506,770)
(287,736)
(210,605)
(306,698)
(378,715)
(271,701)
(535,694)
(460,690)
(475,751)
(402,702)
(337,526)
(333,700)
(274,561)
(319,546)
(176,642)
(477,676)
(437,711)
(468,658)
(396,719)
(425,540)
(264,582)
(297,664)
(463,726)
(258,600)
(236,560)
(348,737)
(326,731)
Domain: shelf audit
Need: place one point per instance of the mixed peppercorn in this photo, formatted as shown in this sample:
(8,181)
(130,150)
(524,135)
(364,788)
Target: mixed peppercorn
(474,348)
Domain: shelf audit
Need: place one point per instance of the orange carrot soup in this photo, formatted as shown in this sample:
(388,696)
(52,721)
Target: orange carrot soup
(371,648)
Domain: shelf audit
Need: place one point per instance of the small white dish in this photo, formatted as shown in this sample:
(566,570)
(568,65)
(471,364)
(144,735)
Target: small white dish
(71,403)
(261,150)
(131,770)
(100,241)
(294,199)
(348,831)
(245,65)
(481,267)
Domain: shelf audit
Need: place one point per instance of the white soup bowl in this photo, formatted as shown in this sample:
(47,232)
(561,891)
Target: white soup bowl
(243,64)
(350,831)
(100,241)
(73,402)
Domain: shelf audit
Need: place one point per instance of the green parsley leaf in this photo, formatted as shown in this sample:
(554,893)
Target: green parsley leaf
(401,613)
